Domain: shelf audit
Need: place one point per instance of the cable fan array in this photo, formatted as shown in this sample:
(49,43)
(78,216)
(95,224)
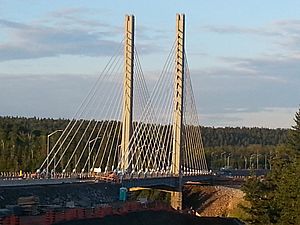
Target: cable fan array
(92,139)
(91,142)
(193,158)
(151,145)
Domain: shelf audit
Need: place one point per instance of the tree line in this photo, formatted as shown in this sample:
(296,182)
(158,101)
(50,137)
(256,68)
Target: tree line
(241,147)
(23,143)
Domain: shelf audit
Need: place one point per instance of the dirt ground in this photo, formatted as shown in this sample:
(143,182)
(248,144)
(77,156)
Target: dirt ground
(213,200)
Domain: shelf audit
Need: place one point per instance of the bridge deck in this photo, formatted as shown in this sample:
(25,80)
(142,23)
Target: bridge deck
(172,181)
(167,181)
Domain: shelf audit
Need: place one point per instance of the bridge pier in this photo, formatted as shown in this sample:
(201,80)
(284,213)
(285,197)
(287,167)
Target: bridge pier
(176,199)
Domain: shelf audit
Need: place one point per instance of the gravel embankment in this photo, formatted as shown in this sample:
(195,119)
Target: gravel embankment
(213,200)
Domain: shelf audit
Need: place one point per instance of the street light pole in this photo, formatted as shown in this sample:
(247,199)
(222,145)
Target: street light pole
(48,148)
(224,153)
(266,160)
(251,157)
(211,160)
(245,158)
(228,160)
(270,160)
(89,157)
(257,155)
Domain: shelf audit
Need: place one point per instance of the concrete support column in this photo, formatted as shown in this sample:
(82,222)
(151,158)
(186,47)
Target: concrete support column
(176,200)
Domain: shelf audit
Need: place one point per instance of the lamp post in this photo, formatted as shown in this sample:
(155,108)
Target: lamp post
(270,160)
(224,153)
(257,155)
(48,148)
(211,160)
(251,157)
(89,157)
(228,160)
(245,158)
(266,155)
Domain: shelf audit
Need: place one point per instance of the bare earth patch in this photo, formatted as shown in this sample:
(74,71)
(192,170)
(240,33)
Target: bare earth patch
(214,201)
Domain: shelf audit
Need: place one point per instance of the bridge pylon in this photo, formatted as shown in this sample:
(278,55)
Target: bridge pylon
(127,92)
(178,96)
(176,197)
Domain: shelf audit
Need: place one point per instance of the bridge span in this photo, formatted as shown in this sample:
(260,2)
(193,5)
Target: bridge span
(159,134)
(121,128)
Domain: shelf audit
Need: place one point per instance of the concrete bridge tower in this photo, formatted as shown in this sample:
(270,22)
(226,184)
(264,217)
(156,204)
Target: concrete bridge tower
(127,92)
(176,197)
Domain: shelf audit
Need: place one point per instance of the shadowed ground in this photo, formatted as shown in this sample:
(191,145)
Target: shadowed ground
(154,218)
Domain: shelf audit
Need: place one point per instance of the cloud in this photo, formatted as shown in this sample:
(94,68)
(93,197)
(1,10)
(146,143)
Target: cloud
(37,41)
(69,12)
(285,33)
(42,96)
(280,28)
(79,17)
(12,24)
(221,101)
(66,32)
(57,95)
(248,85)
(266,117)
(226,29)
(277,68)
(238,91)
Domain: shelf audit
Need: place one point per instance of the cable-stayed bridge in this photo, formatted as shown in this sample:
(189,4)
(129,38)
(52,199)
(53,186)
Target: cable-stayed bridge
(146,139)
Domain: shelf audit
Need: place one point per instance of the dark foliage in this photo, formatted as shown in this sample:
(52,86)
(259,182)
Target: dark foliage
(23,142)
(243,137)
(276,198)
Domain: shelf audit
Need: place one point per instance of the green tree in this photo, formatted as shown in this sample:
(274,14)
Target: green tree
(288,195)
(294,135)
(262,210)
(276,198)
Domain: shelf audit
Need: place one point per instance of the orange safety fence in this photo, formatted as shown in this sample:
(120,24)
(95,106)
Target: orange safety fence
(51,217)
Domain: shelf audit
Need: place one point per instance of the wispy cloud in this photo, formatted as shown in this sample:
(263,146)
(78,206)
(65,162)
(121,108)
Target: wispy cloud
(248,85)
(66,32)
(12,24)
(228,29)
(266,117)
(279,68)
(285,33)
(79,17)
(36,41)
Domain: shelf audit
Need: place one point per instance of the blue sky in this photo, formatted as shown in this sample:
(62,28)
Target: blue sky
(243,55)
